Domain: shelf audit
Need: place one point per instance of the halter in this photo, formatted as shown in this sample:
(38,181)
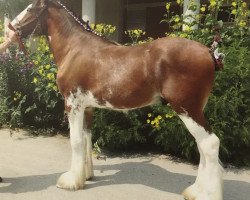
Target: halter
(85,25)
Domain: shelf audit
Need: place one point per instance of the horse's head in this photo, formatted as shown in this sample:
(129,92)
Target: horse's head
(31,20)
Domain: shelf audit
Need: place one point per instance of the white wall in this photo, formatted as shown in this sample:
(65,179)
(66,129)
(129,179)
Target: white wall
(89,10)
(190,12)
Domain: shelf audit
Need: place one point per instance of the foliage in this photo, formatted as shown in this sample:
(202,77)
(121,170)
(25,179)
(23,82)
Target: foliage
(228,107)
(104,29)
(135,35)
(30,91)
(13,7)
(185,25)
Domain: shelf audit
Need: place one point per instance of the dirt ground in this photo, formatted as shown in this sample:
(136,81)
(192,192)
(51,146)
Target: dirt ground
(30,167)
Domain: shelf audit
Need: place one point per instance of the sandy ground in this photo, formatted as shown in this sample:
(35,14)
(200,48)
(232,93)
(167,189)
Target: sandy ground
(30,167)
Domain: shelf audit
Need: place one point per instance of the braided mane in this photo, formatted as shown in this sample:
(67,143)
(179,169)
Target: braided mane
(84,24)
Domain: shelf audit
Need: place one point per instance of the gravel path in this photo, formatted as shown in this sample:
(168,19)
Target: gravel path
(30,167)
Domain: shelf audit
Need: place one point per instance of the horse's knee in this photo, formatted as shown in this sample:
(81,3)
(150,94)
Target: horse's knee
(210,146)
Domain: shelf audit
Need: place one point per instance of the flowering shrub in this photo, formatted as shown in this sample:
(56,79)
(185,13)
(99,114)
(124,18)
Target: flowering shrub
(31,94)
(104,29)
(236,30)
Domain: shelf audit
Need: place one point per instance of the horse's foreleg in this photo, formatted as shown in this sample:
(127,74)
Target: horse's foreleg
(88,139)
(75,178)
(208,184)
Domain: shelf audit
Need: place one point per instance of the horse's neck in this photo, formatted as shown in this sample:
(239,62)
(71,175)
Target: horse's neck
(65,36)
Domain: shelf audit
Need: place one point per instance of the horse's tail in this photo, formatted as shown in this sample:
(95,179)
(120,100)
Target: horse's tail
(214,51)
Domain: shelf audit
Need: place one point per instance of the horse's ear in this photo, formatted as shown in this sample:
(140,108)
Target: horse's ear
(39,3)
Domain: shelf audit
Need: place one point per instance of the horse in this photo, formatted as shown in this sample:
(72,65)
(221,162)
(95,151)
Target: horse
(94,72)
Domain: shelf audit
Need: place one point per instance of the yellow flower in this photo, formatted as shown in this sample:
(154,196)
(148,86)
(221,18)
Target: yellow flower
(234,4)
(148,121)
(51,56)
(40,71)
(47,66)
(36,62)
(244,4)
(178,1)
(187,28)
(234,11)
(172,35)
(156,120)
(169,115)
(213,3)
(136,32)
(50,76)
(159,117)
(242,23)
(149,115)
(168,6)
(15,99)
(177,19)
(35,80)
(55,88)
(203,9)
(183,35)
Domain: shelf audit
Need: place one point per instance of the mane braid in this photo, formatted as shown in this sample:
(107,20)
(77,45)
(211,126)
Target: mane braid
(81,22)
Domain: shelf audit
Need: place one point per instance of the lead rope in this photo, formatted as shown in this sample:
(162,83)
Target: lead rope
(19,40)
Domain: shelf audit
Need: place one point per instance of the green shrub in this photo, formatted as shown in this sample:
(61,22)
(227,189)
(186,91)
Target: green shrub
(29,89)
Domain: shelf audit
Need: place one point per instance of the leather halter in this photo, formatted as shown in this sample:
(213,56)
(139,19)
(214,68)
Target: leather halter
(19,40)
(18,30)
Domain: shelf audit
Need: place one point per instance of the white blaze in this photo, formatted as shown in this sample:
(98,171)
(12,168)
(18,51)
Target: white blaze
(19,17)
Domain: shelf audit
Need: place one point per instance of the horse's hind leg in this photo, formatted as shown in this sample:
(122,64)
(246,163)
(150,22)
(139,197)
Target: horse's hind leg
(208,184)
(187,92)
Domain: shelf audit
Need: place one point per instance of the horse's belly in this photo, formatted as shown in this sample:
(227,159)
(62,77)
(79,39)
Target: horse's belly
(113,101)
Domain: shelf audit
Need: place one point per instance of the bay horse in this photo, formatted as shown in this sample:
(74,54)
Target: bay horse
(95,72)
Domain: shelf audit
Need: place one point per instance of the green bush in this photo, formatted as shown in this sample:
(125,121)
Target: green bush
(29,94)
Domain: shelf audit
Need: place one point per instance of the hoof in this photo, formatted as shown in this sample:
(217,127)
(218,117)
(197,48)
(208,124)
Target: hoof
(193,192)
(71,181)
(89,174)
(89,178)
(190,193)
